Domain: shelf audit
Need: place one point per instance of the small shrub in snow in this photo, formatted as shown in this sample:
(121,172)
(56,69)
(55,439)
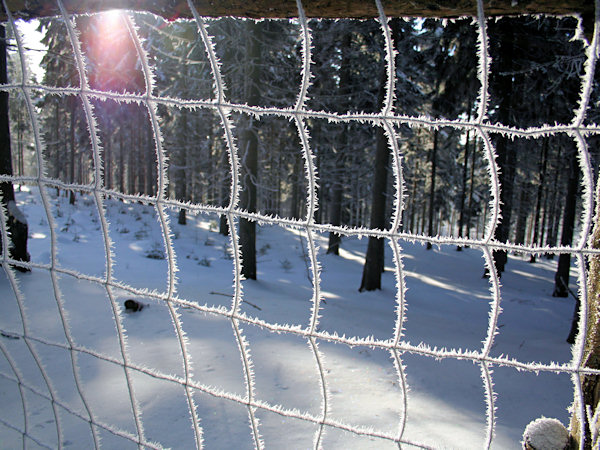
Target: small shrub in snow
(155,252)
(204,262)
(141,234)
(68,224)
(263,250)
(227,253)
(286,264)
(208,242)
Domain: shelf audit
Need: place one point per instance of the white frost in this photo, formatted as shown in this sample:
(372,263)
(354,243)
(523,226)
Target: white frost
(546,434)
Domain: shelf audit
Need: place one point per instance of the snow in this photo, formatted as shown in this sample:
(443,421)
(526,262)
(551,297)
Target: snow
(547,434)
(447,306)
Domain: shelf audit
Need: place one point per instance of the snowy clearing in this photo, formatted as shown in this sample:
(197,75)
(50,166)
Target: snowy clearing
(447,306)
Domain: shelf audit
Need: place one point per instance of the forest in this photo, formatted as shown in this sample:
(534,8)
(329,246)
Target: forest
(307,164)
(536,70)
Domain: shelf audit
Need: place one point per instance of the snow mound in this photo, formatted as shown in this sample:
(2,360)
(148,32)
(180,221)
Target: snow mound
(546,434)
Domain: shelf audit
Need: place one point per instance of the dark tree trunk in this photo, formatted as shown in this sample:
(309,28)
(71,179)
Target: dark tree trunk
(540,193)
(151,164)
(504,149)
(523,211)
(591,357)
(463,191)
(297,178)
(223,223)
(413,228)
(181,178)
(471,188)
(108,164)
(553,215)
(73,105)
(335,218)
(249,150)
(343,143)
(248,202)
(432,185)
(121,162)
(16,222)
(374,261)
(561,279)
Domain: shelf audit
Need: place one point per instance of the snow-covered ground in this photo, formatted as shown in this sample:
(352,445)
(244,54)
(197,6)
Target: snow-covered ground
(448,304)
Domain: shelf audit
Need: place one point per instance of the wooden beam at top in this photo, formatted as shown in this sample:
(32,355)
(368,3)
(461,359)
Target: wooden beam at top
(171,9)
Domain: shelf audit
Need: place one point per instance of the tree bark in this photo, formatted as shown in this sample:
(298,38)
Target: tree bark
(73,107)
(591,359)
(463,191)
(540,193)
(374,261)
(522,214)
(335,218)
(504,149)
(16,222)
(432,185)
(181,178)
(249,149)
(561,278)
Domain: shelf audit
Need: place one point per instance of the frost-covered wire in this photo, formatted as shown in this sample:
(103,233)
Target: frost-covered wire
(299,114)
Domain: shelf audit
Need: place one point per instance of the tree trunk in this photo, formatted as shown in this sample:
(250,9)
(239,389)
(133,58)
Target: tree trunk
(121,161)
(181,162)
(553,215)
(471,188)
(522,214)
(335,218)
(374,261)
(343,144)
(463,191)
(297,177)
(561,279)
(432,185)
(224,193)
(108,163)
(504,149)
(539,195)
(249,147)
(591,358)
(73,106)
(16,221)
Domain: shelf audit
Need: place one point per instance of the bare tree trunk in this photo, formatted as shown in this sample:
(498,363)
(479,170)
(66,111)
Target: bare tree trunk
(463,193)
(249,148)
(591,359)
(335,218)
(16,222)
(471,188)
(504,149)
(540,193)
(432,184)
(180,170)
(561,278)
(553,215)
(522,214)
(374,261)
(73,104)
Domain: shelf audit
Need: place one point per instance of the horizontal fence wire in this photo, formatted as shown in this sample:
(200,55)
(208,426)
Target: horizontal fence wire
(388,119)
